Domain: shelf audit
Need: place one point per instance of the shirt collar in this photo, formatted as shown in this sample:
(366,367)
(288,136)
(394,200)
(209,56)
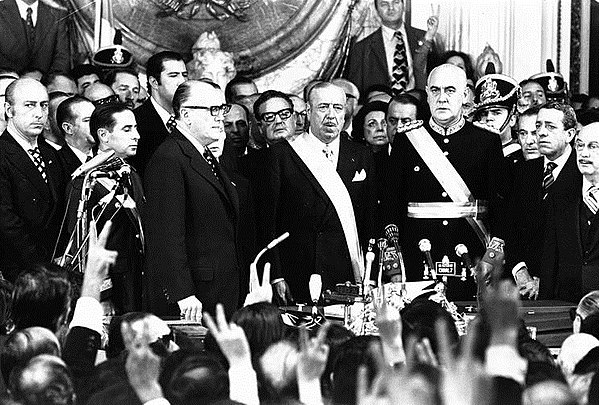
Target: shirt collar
(80,155)
(445,131)
(23,10)
(389,33)
(24,143)
(185,132)
(560,161)
(585,186)
(318,146)
(164,115)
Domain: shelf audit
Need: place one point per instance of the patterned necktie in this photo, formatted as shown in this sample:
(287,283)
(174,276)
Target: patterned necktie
(548,178)
(212,162)
(400,64)
(30,28)
(328,153)
(590,199)
(171,123)
(39,162)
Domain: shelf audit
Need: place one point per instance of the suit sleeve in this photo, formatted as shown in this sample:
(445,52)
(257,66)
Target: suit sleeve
(61,60)
(166,228)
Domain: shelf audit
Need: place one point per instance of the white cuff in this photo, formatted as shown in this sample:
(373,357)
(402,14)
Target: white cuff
(505,361)
(157,401)
(88,314)
(517,268)
(309,392)
(276,280)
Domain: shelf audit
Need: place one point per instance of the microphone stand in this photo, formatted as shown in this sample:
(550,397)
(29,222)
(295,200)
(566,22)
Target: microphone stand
(254,264)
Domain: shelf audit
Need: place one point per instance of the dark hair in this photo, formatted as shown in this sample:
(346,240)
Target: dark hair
(358,121)
(50,77)
(530,112)
(65,112)
(267,95)
(41,297)
(110,77)
(103,117)
(155,65)
(190,376)
(85,69)
(53,384)
(21,346)
(230,88)
(377,87)
(569,119)
(528,81)
(262,325)
(181,95)
(468,66)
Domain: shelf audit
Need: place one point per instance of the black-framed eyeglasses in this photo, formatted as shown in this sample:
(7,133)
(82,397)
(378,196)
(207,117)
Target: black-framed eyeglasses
(283,114)
(214,109)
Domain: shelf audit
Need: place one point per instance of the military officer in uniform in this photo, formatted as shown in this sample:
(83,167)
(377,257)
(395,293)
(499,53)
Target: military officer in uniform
(470,163)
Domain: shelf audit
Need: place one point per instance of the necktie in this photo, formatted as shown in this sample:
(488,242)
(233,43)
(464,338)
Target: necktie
(328,153)
(590,199)
(400,64)
(171,123)
(212,162)
(548,178)
(30,28)
(39,162)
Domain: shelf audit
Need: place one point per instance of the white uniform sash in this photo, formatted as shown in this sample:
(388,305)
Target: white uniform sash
(329,179)
(446,174)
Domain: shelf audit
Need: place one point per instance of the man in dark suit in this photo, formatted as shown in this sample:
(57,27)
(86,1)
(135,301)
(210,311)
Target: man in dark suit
(155,118)
(192,255)
(395,55)
(321,190)
(72,118)
(544,190)
(31,181)
(36,39)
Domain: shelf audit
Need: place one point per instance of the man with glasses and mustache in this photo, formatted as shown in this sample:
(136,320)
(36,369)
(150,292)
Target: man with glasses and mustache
(320,189)
(193,253)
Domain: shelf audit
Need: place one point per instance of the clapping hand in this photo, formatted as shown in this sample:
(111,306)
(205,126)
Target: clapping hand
(432,24)
(230,338)
(259,292)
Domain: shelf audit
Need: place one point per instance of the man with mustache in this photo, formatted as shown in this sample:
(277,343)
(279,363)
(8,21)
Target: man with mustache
(320,189)
(31,181)
(543,189)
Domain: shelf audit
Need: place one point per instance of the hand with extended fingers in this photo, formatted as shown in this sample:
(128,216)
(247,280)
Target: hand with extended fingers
(142,365)
(230,338)
(432,24)
(501,312)
(388,321)
(99,260)
(259,292)
(313,354)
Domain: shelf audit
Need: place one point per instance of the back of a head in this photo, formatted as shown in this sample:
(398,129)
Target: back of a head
(277,371)
(194,377)
(262,325)
(44,380)
(349,357)
(41,297)
(23,345)
(548,393)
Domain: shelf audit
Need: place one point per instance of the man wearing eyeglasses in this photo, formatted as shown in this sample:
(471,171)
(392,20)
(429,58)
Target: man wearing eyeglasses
(320,189)
(192,261)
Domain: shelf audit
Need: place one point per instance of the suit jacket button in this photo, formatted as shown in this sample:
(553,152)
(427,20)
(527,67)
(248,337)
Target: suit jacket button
(445,222)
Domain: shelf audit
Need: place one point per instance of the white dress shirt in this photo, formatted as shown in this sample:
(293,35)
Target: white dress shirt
(320,146)
(162,113)
(560,161)
(23,10)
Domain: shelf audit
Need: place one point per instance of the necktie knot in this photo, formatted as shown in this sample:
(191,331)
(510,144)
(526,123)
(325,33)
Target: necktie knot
(550,167)
(548,178)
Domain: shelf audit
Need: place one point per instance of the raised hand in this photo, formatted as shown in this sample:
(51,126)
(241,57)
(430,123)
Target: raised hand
(99,260)
(313,354)
(259,292)
(432,24)
(501,311)
(230,338)
(142,365)
(388,322)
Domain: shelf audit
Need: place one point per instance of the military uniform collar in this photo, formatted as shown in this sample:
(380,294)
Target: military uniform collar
(449,130)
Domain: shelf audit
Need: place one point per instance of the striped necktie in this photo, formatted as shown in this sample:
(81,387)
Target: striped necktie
(171,123)
(590,199)
(39,162)
(212,162)
(400,64)
(548,178)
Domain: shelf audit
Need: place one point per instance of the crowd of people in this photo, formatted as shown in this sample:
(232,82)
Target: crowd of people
(126,205)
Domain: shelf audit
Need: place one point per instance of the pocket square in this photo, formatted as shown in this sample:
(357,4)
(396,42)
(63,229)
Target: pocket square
(359,176)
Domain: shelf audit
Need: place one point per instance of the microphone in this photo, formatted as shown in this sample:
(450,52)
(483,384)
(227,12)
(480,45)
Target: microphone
(254,265)
(92,163)
(462,252)
(392,233)
(112,174)
(425,247)
(369,261)
(382,245)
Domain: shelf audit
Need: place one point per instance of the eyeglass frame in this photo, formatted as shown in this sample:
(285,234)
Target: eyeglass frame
(275,114)
(213,109)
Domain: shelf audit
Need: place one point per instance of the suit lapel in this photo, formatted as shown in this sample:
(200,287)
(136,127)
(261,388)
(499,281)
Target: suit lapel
(12,22)
(346,162)
(23,163)
(378,49)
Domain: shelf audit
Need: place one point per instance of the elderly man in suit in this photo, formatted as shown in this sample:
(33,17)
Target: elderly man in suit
(34,36)
(543,190)
(395,55)
(192,255)
(320,189)
(155,118)
(31,181)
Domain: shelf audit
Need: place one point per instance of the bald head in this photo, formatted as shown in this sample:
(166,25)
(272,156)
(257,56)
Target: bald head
(446,91)
(97,91)
(26,108)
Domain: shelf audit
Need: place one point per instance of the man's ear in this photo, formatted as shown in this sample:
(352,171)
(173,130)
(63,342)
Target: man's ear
(513,120)
(153,82)
(103,135)
(67,127)
(8,110)
(571,134)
